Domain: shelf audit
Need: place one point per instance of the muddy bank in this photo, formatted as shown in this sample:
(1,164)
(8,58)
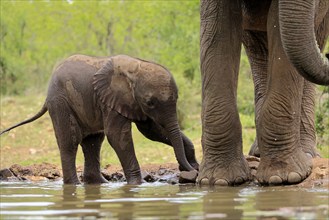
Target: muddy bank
(167,173)
(49,172)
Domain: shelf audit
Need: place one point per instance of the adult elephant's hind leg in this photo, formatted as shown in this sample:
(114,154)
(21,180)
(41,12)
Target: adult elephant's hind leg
(307,124)
(255,43)
(91,147)
(283,160)
(223,162)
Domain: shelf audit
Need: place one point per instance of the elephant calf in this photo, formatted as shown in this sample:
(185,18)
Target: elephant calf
(90,97)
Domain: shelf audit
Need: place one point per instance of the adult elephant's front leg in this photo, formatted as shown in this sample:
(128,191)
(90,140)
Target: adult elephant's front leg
(223,162)
(283,160)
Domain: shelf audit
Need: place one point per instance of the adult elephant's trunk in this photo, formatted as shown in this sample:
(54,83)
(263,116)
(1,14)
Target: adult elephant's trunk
(296,19)
(174,134)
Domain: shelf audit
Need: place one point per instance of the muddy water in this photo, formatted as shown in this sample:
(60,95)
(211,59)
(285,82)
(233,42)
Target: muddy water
(52,200)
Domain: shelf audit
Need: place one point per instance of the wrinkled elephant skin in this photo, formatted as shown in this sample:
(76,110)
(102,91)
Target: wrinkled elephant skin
(272,33)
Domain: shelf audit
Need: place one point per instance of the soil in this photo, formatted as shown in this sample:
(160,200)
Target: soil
(167,173)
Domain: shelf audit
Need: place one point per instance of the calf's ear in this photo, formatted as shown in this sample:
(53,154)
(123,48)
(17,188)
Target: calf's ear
(114,89)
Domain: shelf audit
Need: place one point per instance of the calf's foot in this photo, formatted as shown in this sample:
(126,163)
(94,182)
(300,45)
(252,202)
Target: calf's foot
(93,179)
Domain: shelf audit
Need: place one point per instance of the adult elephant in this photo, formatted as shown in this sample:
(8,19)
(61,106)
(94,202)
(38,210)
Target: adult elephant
(282,38)
(90,98)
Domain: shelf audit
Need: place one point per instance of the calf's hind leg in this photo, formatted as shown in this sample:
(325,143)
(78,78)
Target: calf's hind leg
(91,147)
(68,136)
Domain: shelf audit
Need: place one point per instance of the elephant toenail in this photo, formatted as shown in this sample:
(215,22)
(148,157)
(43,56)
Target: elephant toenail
(221,182)
(204,181)
(294,177)
(238,181)
(275,180)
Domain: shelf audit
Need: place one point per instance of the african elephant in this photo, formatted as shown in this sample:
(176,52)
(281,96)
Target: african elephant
(91,97)
(282,39)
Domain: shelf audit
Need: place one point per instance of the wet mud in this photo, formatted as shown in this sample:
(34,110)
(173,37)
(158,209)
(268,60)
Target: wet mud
(166,173)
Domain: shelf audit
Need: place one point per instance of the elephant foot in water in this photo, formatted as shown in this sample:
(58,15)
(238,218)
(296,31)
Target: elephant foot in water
(224,173)
(94,179)
(279,170)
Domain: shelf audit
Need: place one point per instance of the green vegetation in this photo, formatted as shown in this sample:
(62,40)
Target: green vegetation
(322,120)
(41,33)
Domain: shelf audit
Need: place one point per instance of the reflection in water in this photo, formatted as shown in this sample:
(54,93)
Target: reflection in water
(288,202)
(159,201)
(223,202)
(76,198)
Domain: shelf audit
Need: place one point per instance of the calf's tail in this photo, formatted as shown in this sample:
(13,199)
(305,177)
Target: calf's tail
(33,118)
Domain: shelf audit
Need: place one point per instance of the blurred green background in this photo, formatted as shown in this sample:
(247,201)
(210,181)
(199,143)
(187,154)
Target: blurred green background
(35,35)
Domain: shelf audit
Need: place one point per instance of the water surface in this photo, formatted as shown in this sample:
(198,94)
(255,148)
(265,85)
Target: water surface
(53,200)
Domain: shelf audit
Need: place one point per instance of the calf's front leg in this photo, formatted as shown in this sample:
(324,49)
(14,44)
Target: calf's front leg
(118,133)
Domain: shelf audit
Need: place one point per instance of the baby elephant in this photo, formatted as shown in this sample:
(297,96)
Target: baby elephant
(91,97)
